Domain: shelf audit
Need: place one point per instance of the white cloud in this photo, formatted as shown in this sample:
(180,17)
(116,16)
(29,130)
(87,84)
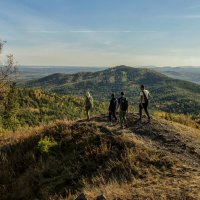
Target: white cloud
(90,31)
(111,31)
(180,16)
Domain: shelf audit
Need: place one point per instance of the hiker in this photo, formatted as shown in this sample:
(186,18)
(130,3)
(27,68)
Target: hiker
(144,101)
(88,104)
(123,109)
(112,108)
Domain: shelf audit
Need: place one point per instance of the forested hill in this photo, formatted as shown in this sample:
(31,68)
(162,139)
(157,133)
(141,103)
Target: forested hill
(29,107)
(169,94)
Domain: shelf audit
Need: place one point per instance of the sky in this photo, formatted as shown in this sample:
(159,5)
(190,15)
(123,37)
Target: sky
(101,32)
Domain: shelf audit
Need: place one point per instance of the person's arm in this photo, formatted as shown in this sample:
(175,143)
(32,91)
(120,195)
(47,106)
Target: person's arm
(149,95)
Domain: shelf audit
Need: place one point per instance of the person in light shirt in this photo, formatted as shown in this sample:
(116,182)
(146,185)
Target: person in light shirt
(144,102)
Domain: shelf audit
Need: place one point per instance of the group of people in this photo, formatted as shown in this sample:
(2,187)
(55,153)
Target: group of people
(121,104)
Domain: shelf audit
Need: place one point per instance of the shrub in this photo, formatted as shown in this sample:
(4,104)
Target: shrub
(45,144)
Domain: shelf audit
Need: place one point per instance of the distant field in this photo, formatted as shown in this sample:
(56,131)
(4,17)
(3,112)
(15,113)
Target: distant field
(35,72)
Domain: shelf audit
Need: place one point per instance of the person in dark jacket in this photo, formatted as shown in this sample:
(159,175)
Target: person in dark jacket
(123,109)
(112,108)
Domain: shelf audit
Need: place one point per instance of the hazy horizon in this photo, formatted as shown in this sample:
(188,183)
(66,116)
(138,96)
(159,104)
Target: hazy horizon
(150,66)
(101,33)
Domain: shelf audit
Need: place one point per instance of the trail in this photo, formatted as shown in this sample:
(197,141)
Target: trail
(178,142)
(172,139)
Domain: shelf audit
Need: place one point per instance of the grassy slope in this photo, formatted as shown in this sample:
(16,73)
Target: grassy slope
(39,107)
(160,160)
(170,94)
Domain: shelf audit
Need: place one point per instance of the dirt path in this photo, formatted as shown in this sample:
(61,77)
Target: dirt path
(181,142)
(170,139)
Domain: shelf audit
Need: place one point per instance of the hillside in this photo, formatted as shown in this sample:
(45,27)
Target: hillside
(184,73)
(169,94)
(160,160)
(35,107)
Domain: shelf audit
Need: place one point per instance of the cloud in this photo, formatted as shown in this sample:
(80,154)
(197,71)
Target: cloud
(191,16)
(44,31)
(111,31)
(90,31)
(181,16)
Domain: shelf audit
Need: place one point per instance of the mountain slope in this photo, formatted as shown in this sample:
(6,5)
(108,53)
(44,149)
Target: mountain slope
(169,94)
(35,107)
(184,73)
(160,160)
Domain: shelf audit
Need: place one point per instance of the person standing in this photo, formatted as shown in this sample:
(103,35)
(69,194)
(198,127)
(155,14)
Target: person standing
(123,109)
(144,102)
(112,108)
(88,104)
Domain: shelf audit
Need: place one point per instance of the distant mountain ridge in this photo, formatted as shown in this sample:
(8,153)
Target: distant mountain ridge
(183,73)
(171,95)
(27,73)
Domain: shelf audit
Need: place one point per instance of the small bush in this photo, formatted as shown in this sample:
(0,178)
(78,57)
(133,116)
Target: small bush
(45,144)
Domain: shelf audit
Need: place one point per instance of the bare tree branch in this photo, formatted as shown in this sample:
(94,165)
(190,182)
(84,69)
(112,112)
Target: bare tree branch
(1,45)
(7,70)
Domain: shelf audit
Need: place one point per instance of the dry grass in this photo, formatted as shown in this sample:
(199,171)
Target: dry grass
(94,159)
(179,118)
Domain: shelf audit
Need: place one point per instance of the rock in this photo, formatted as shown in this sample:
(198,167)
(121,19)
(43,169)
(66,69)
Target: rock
(81,197)
(101,197)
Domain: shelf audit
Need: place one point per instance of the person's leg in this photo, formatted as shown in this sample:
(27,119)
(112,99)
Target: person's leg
(146,110)
(88,114)
(140,111)
(114,115)
(125,120)
(110,116)
(121,118)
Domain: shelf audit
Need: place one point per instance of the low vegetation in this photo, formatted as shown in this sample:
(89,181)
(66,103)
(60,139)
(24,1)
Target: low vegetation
(64,158)
(61,160)
(187,120)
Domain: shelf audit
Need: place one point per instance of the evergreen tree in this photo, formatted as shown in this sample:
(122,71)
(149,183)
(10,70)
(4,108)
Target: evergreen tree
(11,109)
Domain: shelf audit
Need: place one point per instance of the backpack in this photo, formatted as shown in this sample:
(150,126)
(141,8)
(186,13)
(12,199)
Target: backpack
(124,104)
(88,103)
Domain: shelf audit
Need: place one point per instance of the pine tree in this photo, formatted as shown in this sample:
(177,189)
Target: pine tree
(11,109)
